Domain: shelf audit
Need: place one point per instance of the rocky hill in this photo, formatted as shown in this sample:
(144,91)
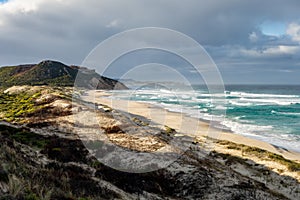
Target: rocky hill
(55,74)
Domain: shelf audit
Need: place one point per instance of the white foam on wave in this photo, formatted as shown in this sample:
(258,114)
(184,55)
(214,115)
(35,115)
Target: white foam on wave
(237,103)
(285,113)
(196,112)
(283,102)
(246,94)
(154,97)
(245,128)
(184,96)
(208,95)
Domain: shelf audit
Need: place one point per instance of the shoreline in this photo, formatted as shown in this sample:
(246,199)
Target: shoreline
(183,123)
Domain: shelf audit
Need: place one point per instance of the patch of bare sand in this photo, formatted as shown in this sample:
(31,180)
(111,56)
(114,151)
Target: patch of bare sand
(142,144)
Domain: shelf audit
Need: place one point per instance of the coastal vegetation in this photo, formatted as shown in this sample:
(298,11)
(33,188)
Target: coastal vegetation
(18,104)
(262,154)
(14,107)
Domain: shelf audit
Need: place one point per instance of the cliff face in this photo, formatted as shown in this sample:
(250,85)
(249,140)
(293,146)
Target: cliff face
(56,74)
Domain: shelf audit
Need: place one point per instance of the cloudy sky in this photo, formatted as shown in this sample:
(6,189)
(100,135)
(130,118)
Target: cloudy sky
(250,41)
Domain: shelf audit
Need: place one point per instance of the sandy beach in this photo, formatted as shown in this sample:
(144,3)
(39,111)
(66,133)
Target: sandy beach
(184,124)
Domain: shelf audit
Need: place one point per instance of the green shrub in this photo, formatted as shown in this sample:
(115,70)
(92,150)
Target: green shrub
(31,196)
(169,130)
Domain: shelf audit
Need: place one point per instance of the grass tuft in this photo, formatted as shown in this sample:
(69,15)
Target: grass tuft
(169,130)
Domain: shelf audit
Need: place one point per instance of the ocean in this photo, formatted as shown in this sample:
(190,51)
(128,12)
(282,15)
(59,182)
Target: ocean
(265,112)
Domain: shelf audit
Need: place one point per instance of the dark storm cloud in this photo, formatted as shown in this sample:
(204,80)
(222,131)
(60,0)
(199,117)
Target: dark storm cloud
(67,30)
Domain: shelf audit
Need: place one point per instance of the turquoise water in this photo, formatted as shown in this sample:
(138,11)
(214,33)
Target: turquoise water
(267,113)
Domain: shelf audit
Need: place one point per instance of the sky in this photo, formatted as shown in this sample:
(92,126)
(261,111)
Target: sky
(251,42)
